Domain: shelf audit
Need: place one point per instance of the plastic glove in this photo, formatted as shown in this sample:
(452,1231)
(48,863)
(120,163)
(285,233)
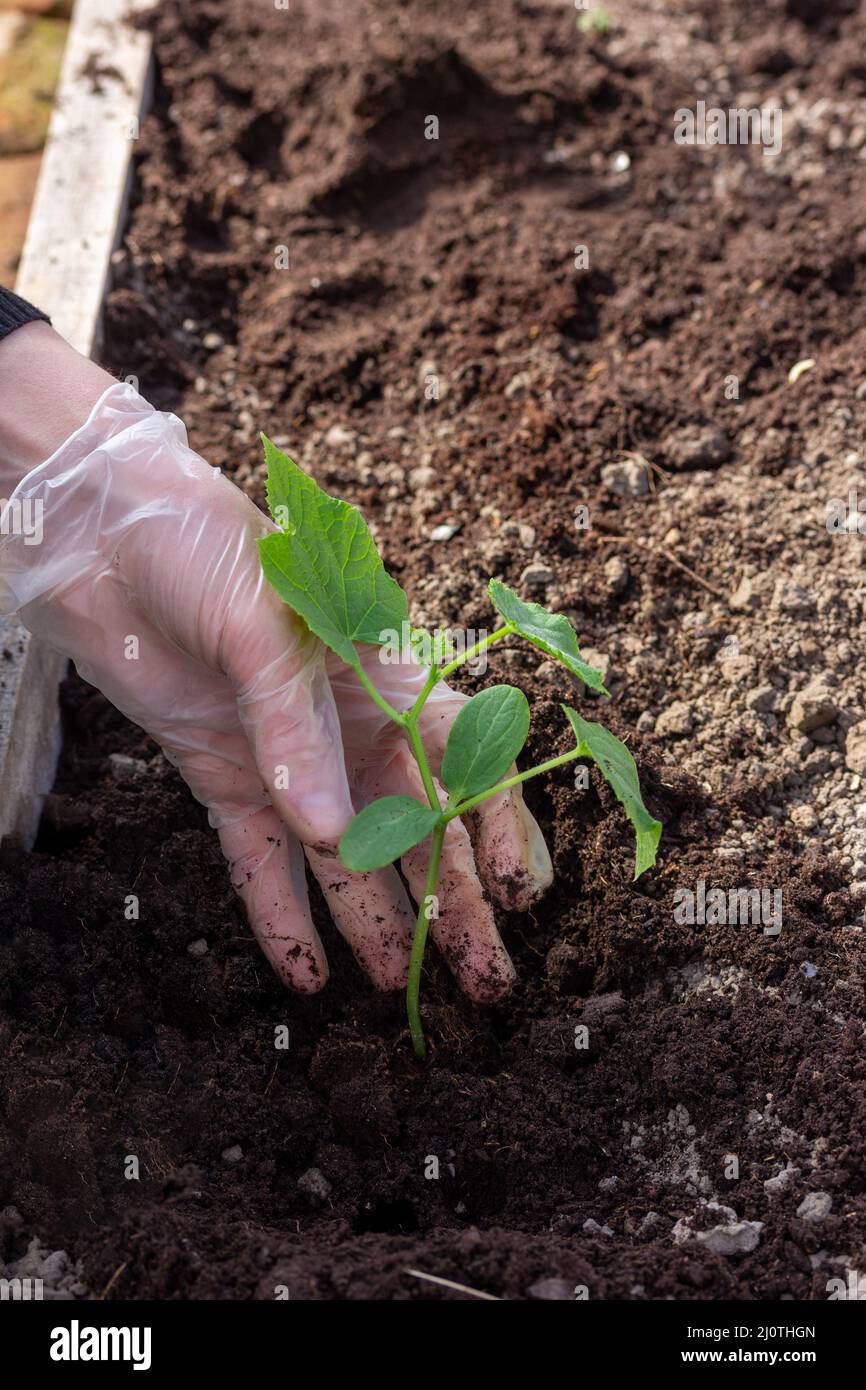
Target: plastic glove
(148,576)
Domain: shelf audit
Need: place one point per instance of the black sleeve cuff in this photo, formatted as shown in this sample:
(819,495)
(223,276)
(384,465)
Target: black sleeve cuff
(15,312)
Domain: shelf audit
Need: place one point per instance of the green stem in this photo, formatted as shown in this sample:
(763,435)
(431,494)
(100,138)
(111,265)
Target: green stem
(499,632)
(422,926)
(433,677)
(461,810)
(420,755)
(380,700)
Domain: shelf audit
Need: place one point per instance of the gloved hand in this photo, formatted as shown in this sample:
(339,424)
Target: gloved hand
(148,576)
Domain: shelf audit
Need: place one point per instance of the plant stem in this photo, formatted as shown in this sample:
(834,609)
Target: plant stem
(380,700)
(422,925)
(410,723)
(433,678)
(504,631)
(474,801)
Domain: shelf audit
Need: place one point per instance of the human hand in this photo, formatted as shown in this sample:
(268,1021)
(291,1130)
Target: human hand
(148,576)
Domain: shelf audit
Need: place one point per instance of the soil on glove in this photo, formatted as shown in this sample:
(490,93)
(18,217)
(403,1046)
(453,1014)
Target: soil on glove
(621,441)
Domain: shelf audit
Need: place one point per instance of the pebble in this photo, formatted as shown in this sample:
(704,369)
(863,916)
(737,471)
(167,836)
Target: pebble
(855,748)
(338,437)
(212,341)
(608,1184)
(763,699)
(198,948)
(729,1237)
(444,531)
(782,1180)
(537,575)
(744,597)
(233,1155)
(793,599)
(120,765)
(420,477)
(551,1289)
(702,448)
(815,1206)
(518,384)
(616,574)
(812,708)
(314,1186)
(628,478)
(809,970)
(803,817)
(738,1239)
(676,721)
(592,1228)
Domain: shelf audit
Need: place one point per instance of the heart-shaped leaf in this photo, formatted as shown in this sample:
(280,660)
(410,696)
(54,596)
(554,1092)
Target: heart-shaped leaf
(383,831)
(485,738)
(618,767)
(324,563)
(552,632)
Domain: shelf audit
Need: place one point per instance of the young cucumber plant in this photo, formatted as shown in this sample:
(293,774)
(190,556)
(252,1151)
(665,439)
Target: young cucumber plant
(324,564)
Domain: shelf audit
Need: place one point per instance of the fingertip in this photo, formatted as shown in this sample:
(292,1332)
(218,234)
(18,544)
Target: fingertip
(267,872)
(511,852)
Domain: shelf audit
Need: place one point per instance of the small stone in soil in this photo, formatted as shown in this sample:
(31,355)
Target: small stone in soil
(815,1206)
(314,1186)
(783,1179)
(676,721)
(592,1228)
(701,448)
(812,708)
(616,574)
(628,478)
(855,748)
(537,576)
(233,1154)
(121,765)
(551,1289)
(198,948)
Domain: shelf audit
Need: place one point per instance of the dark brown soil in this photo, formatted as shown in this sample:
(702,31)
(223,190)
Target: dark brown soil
(410,258)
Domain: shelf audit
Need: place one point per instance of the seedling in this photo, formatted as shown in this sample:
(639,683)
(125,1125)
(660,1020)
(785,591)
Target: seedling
(324,564)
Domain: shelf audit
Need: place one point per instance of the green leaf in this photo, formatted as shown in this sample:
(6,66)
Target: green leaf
(618,766)
(324,563)
(552,632)
(384,830)
(485,738)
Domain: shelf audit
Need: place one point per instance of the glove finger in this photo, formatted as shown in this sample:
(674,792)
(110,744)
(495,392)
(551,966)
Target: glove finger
(267,872)
(372,913)
(287,709)
(512,857)
(461,922)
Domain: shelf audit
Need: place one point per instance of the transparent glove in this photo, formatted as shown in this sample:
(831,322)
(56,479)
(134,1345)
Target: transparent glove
(148,577)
